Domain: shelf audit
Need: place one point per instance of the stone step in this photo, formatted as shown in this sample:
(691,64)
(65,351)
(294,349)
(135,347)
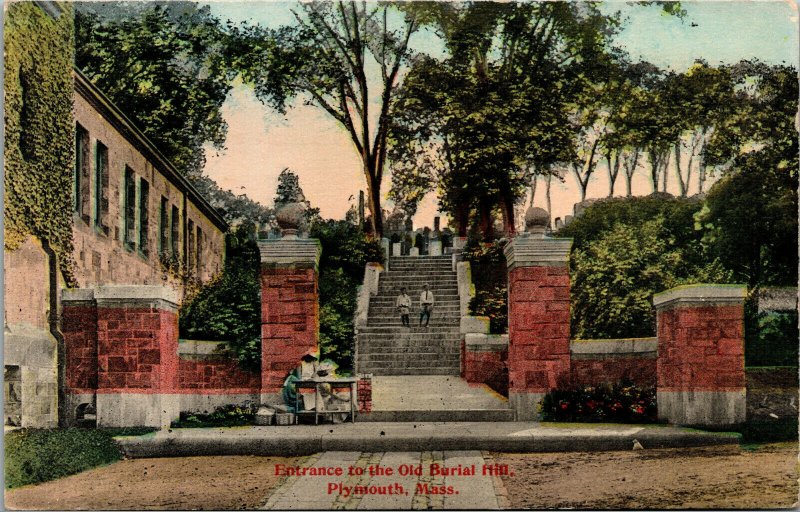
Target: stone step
(389,301)
(420,359)
(442,270)
(416,272)
(478,415)
(386,312)
(400,329)
(409,370)
(391,353)
(416,334)
(435,322)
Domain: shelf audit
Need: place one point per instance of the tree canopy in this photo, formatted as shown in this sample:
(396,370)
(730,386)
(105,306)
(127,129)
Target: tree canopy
(167,64)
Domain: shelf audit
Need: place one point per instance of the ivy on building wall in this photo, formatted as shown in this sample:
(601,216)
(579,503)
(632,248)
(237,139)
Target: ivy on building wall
(39,130)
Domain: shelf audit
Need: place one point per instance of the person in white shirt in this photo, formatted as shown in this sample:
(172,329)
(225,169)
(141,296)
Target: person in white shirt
(404,307)
(426,305)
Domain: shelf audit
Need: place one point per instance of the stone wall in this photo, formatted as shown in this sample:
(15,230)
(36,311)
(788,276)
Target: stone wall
(483,360)
(212,371)
(29,350)
(610,361)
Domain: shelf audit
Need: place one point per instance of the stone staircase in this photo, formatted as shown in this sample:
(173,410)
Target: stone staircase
(385,347)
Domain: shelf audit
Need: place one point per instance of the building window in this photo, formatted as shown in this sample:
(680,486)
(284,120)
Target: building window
(163,228)
(175,239)
(101,187)
(199,250)
(81,176)
(144,216)
(190,257)
(129,209)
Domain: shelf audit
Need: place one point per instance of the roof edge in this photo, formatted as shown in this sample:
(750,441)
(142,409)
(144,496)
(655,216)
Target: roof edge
(97,97)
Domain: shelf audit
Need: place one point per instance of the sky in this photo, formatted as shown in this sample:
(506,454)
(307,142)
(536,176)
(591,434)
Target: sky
(261,142)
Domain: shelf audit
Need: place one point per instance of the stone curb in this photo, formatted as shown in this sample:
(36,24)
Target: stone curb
(299,441)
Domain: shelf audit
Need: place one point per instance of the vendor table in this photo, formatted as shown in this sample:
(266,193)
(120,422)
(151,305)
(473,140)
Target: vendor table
(335,383)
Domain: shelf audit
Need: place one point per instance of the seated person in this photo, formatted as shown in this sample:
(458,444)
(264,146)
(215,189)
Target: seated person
(325,398)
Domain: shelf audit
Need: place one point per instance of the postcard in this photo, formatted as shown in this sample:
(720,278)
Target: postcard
(327,255)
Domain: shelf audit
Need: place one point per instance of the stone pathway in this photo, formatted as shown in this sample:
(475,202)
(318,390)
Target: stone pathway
(417,482)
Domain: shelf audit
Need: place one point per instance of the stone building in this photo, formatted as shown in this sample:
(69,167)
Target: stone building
(134,219)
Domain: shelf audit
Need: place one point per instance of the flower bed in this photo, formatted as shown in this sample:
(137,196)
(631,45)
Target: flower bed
(622,402)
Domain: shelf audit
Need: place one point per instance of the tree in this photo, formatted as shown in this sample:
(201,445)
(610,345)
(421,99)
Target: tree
(699,99)
(327,58)
(493,111)
(166,64)
(615,276)
(749,222)
(289,190)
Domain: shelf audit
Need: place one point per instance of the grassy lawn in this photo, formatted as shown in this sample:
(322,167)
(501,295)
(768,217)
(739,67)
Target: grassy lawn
(38,455)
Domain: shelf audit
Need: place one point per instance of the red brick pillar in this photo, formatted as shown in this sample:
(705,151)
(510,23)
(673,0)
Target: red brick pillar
(289,309)
(700,367)
(79,328)
(538,315)
(137,356)
(365,392)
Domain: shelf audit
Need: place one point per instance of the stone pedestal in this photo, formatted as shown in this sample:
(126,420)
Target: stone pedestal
(538,313)
(289,309)
(700,367)
(386,245)
(414,251)
(397,249)
(435,248)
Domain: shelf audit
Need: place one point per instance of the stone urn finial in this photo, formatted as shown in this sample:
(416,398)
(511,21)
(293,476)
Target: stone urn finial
(536,220)
(290,217)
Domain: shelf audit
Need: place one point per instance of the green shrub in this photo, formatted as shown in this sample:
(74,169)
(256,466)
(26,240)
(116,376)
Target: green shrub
(771,339)
(623,402)
(223,416)
(615,275)
(228,308)
(38,455)
(494,304)
(490,277)
(346,250)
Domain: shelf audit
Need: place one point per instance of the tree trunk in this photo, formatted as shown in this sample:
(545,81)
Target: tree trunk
(701,178)
(374,202)
(549,180)
(462,219)
(534,180)
(630,170)
(676,162)
(507,207)
(612,161)
(486,224)
(664,166)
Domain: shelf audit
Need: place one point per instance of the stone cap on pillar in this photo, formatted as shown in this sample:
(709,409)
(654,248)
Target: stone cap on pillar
(700,295)
(290,252)
(532,251)
(77,295)
(159,297)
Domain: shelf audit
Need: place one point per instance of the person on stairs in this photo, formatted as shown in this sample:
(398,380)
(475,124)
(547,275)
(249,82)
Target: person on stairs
(426,305)
(404,306)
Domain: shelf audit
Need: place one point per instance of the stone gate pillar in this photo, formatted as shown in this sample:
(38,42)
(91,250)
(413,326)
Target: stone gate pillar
(700,368)
(289,308)
(137,356)
(538,314)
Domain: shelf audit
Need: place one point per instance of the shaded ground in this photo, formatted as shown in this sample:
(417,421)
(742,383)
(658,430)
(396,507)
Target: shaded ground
(696,478)
(204,483)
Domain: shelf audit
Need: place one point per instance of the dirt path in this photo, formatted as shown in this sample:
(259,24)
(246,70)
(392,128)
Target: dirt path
(722,477)
(193,483)
(697,478)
